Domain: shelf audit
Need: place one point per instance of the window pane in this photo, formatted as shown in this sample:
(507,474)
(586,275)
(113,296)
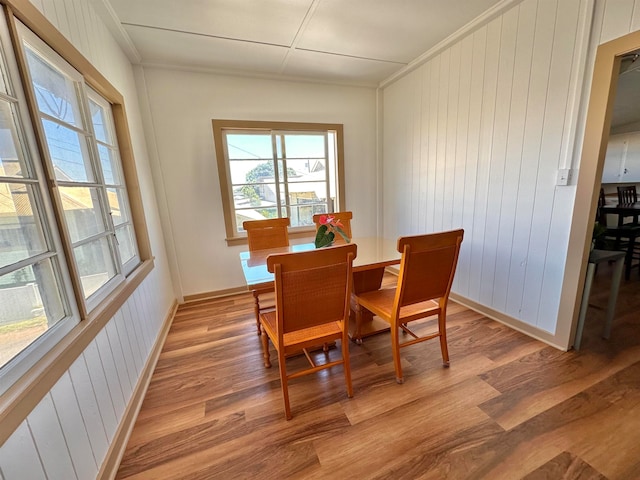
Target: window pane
(307,169)
(125,243)
(11,162)
(95,265)
(5,83)
(263,194)
(21,234)
(110,161)
(303,216)
(304,146)
(254,214)
(99,123)
(82,212)
(251,171)
(55,92)
(119,214)
(307,192)
(249,146)
(30,304)
(69,153)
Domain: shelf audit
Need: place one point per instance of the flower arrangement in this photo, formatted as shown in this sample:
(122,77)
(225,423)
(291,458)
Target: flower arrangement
(327,230)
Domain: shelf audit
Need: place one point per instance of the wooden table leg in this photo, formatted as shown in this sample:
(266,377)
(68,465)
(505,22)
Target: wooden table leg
(363,322)
(256,308)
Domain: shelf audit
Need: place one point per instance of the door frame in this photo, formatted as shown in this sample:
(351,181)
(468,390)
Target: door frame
(594,148)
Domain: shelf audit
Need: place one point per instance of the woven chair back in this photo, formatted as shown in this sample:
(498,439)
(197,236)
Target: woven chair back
(270,233)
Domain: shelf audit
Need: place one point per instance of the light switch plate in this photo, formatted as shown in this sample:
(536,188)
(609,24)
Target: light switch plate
(564,176)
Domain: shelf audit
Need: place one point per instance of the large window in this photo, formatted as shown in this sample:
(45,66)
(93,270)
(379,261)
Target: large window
(67,236)
(34,303)
(273,169)
(85,164)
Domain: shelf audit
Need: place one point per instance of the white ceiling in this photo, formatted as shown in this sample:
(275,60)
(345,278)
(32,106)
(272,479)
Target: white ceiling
(343,41)
(626,107)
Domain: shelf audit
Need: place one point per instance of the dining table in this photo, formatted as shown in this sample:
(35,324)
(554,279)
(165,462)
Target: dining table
(622,210)
(373,256)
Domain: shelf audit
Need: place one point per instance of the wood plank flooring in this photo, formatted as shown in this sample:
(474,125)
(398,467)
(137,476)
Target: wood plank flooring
(509,407)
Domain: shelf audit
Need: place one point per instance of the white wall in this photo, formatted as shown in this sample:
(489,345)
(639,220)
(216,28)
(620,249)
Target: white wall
(181,107)
(474,138)
(67,435)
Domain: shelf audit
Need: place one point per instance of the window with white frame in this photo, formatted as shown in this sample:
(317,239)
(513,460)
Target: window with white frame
(85,165)
(274,169)
(54,273)
(35,307)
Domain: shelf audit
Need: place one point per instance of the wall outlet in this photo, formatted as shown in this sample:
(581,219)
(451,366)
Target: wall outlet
(564,176)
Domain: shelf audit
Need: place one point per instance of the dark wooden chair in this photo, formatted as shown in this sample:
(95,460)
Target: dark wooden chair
(627,194)
(312,307)
(426,274)
(345,219)
(261,235)
(620,237)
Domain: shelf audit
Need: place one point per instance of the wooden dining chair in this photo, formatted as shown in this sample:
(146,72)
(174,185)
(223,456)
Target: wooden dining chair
(627,194)
(619,237)
(344,218)
(427,268)
(312,307)
(261,235)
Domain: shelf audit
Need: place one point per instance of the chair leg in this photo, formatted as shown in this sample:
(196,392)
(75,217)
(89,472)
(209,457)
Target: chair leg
(265,348)
(256,309)
(285,385)
(347,365)
(395,346)
(442,320)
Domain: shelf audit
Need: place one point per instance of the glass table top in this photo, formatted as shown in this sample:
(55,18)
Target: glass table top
(373,252)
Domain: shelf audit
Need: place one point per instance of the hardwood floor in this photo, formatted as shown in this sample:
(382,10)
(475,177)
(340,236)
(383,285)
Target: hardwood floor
(509,406)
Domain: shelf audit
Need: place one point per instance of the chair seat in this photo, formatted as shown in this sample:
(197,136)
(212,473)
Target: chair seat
(308,336)
(380,302)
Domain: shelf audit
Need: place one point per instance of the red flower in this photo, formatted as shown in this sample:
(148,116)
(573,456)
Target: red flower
(332,226)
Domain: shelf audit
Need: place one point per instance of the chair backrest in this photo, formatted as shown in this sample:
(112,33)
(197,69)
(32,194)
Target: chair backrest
(627,194)
(345,219)
(270,233)
(601,217)
(427,267)
(312,287)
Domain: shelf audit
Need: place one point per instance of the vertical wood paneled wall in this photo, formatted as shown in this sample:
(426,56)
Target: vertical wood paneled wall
(68,434)
(474,138)
(620,17)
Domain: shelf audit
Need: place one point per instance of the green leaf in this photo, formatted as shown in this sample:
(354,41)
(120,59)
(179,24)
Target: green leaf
(323,238)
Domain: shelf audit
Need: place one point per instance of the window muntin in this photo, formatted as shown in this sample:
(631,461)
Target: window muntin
(277,172)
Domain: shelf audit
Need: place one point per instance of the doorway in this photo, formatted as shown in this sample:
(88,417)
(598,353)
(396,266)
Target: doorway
(598,124)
